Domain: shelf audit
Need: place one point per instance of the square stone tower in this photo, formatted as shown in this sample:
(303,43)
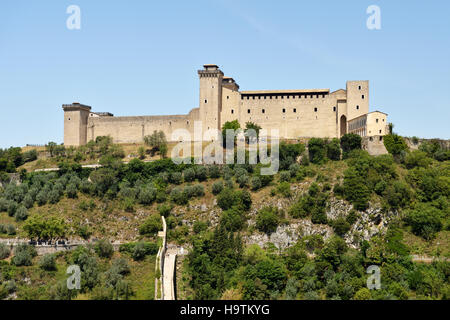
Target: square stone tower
(357,99)
(210,96)
(75,123)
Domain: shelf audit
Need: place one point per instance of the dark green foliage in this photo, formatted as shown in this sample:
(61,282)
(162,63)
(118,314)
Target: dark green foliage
(417,158)
(349,142)
(147,195)
(23,255)
(314,204)
(395,144)
(286,175)
(398,195)
(201,173)
(333,150)
(165,209)
(151,225)
(4,251)
(189,175)
(424,220)
(341,226)
(233,219)
(21,214)
(267,277)
(176,178)
(268,219)
(178,196)
(288,154)
(217,187)
(229,198)
(48,262)
(356,190)
(255,183)
(200,226)
(72,191)
(104,248)
(212,262)
(317,150)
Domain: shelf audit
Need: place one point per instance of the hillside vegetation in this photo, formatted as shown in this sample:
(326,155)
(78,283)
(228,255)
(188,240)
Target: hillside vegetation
(308,232)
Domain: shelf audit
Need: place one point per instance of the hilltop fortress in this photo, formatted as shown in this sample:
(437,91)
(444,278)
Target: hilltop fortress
(295,113)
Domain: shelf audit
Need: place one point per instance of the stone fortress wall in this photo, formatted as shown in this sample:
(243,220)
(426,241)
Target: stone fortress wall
(295,113)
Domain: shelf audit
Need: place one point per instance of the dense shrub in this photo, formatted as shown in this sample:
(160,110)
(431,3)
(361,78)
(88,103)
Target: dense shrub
(267,220)
(147,195)
(28,201)
(217,187)
(214,171)
(72,190)
(285,176)
(4,251)
(178,196)
(23,255)
(165,209)
(395,144)
(349,142)
(189,175)
(242,180)
(104,248)
(233,219)
(176,178)
(333,150)
(201,173)
(317,150)
(151,225)
(417,158)
(255,183)
(200,226)
(21,214)
(424,220)
(284,189)
(48,262)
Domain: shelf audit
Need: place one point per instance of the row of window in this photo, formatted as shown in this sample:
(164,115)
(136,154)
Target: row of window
(298,96)
(294,110)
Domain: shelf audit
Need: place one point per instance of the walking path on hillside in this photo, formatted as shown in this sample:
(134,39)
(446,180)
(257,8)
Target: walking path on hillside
(169,273)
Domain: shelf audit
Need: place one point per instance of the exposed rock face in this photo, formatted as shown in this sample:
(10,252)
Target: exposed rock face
(287,235)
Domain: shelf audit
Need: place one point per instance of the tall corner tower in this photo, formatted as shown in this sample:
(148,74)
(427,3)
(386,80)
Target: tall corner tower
(357,98)
(210,96)
(75,123)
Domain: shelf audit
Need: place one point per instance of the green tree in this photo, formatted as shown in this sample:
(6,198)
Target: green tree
(349,142)
(267,220)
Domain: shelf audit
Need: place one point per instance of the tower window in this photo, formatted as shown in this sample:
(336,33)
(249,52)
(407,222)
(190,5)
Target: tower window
(284,110)
(232,111)
(357,107)
(334,109)
(377,120)
(359,87)
(206,101)
(248,110)
(362,96)
(228,97)
(315,109)
(263,111)
(295,110)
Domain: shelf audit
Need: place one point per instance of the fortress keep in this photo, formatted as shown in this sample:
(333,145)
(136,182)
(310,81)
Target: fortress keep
(295,113)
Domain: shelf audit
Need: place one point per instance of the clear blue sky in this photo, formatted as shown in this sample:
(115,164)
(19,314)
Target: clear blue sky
(141,57)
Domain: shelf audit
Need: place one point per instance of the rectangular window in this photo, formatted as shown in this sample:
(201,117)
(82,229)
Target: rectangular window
(284,110)
(377,120)
(248,111)
(362,96)
(206,101)
(232,111)
(334,109)
(315,109)
(263,111)
(295,110)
